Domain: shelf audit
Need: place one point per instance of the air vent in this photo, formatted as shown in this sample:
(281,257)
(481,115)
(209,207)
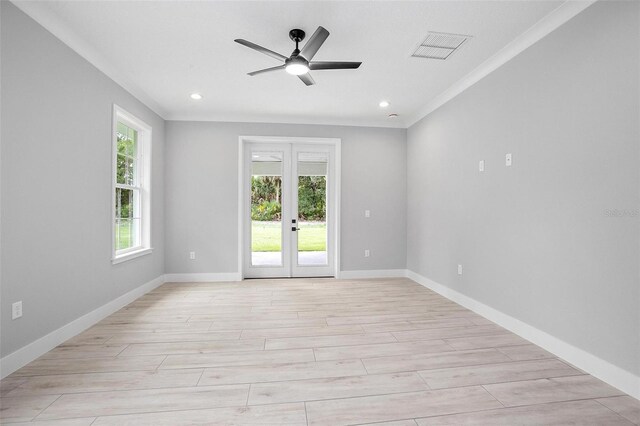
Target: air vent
(439,45)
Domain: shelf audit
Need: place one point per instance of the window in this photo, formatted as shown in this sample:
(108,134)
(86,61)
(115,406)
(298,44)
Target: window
(131,186)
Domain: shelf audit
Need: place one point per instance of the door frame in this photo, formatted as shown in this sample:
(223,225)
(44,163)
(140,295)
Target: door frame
(242,142)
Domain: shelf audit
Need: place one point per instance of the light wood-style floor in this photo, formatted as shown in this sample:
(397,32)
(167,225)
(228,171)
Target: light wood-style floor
(304,352)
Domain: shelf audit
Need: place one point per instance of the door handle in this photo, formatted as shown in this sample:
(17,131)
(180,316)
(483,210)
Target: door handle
(293,228)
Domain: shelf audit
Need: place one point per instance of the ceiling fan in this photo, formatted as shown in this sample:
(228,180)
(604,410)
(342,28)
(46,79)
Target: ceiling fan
(299,63)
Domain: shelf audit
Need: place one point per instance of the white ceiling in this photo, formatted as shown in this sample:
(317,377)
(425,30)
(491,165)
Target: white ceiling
(163,51)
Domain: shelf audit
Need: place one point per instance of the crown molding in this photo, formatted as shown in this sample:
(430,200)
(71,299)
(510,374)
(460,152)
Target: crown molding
(52,23)
(538,31)
(542,28)
(284,119)
(56,26)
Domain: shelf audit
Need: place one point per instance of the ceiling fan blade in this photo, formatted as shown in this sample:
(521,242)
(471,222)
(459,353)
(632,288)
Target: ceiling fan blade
(311,48)
(307,79)
(334,65)
(279,67)
(261,49)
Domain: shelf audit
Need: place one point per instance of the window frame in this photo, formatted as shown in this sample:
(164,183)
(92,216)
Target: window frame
(142,184)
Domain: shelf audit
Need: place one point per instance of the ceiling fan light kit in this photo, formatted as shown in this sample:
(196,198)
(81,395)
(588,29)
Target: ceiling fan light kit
(299,63)
(296,66)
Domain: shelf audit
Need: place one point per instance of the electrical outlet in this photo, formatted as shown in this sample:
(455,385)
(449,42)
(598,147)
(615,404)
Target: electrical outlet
(192,255)
(459,269)
(481,166)
(507,160)
(367,253)
(367,213)
(16,310)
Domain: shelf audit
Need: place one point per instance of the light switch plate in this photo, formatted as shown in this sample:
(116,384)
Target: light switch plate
(481,166)
(459,269)
(507,160)
(367,213)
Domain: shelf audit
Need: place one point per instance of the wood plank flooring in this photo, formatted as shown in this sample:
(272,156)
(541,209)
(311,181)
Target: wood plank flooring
(304,352)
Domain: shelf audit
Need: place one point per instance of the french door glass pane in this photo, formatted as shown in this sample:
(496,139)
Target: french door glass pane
(312,208)
(266,208)
(127,217)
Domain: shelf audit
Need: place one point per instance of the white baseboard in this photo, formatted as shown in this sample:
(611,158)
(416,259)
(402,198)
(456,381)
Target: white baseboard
(374,273)
(597,367)
(30,352)
(203,277)
(605,371)
(236,276)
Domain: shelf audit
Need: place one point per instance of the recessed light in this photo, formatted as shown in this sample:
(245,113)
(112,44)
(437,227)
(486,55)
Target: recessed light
(383,104)
(195,96)
(393,115)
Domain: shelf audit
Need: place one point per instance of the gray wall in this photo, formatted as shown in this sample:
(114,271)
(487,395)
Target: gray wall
(56,184)
(536,240)
(202,193)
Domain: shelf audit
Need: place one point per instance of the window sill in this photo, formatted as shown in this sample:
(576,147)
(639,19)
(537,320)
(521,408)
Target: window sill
(131,255)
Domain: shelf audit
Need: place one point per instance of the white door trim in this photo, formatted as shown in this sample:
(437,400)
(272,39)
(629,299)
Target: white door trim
(242,142)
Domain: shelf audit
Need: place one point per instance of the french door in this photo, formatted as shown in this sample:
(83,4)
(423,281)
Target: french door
(289,223)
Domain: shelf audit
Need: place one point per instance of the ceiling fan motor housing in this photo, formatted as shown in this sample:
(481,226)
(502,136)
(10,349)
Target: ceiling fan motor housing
(296,60)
